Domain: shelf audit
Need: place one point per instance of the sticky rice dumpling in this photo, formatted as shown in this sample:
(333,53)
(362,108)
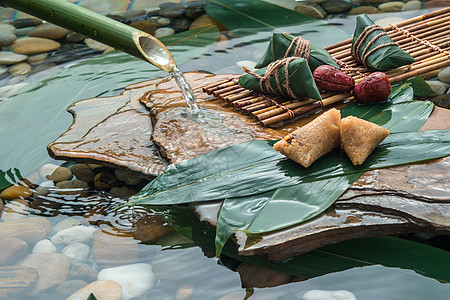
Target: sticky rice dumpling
(280,44)
(359,138)
(373,48)
(313,140)
(296,82)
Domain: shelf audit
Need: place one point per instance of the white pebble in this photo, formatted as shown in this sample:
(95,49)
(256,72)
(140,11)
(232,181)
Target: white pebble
(328,295)
(438,87)
(161,32)
(246,63)
(135,279)
(444,75)
(77,252)
(44,246)
(47,169)
(75,234)
(65,224)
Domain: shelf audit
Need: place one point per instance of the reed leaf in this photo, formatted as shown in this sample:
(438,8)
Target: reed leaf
(9,177)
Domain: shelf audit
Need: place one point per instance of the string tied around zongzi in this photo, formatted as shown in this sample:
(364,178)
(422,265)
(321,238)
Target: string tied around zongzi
(362,58)
(302,48)
(273,69)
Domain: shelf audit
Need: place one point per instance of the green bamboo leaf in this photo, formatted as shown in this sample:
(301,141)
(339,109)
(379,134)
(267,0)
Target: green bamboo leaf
(252,17)
(37,116)
(421,88)
(254,167)
(9,177)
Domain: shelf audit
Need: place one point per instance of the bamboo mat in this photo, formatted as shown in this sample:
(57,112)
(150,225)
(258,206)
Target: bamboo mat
(426,38)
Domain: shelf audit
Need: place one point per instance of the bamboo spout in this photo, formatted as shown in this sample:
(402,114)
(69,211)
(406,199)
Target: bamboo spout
(100,28)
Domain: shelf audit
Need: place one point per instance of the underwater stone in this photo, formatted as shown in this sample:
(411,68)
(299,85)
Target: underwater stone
(180,24)
(60,174)
(438,87)
(12,249)
(444,75)
(77,252)
(145,25)
(6,39)
(67,288)
(111,249)
(83,172)
(26,22)
(206,21)
(74,234)
(37,59)
(34,45)
(412,5)
(126,177)
(15,279)
(161,32)
(66,224)
(160,21)
(14,210)
(83,271)
(48,31)
(337,6)
(10,58)
(7,29)
(363,10)
(47,170)
(101,289)
(75,37)
(171,10)
(44,246)
(328,295)
(16,192)
(253,276)
(20,69)
(393,6)
(312,10)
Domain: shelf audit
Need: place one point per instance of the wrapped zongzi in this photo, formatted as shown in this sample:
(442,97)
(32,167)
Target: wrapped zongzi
(289,77)
(280,47)
(373,48)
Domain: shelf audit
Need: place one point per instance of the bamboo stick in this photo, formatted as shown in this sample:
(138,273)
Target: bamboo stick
(277,111)
(419,71)
(225,90)
(225,95)
(297,112)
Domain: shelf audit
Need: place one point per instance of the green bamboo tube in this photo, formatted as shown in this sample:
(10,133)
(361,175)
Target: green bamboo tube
(100,28)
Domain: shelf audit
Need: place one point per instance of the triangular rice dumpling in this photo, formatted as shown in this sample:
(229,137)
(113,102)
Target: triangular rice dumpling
(278,46)
(313,140)
(359,138)
(387,56)
(301,81)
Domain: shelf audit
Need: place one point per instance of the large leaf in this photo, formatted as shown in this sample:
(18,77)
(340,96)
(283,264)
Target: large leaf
(9,177)
(252,17)
(31,120)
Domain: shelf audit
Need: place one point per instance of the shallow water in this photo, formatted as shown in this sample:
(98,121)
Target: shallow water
(179,266)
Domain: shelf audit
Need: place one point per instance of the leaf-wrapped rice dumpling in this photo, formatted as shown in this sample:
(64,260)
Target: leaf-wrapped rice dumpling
(281,43)
(297,82)
(373,48)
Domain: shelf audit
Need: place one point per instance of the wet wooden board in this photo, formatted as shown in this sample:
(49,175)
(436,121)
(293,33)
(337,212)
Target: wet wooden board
(117,131)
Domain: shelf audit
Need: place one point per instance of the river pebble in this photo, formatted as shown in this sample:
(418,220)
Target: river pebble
(47,170)
(97,46)
(60,174)
(15,279)
(206,21)
(10,58)
(52,268)
(15,209)
(171,10)
(48,31)
(20,69)
(44,188)
(328,295)
(412,5)
(363,10)
(255,276)
(135,279)
(392,6)
(110,249)
(15,192)
(160,21)
(102,290)
(132,13)
(74,234)
(312,10)
(26,22)
(444,75)
(77,252)
(69,287)
(336,6)
(437,86)
(12,249)
(127,178)
(145,25)
(6,39)
(32,45)
(7,28)
(75,37)
(37,59)
(161,32)
(44,246)
(66,224)
(3,70)
(83,271)
(83,172)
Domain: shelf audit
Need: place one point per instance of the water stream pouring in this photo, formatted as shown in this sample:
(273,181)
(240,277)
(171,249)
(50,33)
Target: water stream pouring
(108,31)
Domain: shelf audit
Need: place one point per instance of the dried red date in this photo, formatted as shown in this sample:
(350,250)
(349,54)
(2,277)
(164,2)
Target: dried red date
(373,88)
(331,79)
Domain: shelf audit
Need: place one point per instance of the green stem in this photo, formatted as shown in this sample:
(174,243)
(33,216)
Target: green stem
(100,28)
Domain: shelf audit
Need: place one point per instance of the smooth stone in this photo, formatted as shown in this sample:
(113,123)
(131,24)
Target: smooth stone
(33,45)
(412,5)
(255,276)
(101,289)
(180,24)
(3,70)
(77,252)
(383,22)
(26,22)
(105,180)
(171,10)
(75,37)
(10,58)
(52,268)
(123,192)
(195,9)
(44,188)
(7,28)
(37,58)
(20,69)
(14,280)
(363,10)
(135,279)
(374,2)
(438,87)
(83,172)
(160,21)
(184,292)
(15,192)
(42,222)
(12,249)
(6,39)
(145,25)
(151,227)
(74,234)
(316,1)
(67,288)
(206,21)
(126,177)
(83,271)
(312,10)
(393,6)
(132,13)
(47,170)
(161,32)
(437,3)
(328,295)
(12,90)
(29,232)
(444,75)
(337,6)
(48,31)
(14,210)
(66,224)
(110,249)
(60,174)
(44,246)
(72,187)
(97,46)
(442,100)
